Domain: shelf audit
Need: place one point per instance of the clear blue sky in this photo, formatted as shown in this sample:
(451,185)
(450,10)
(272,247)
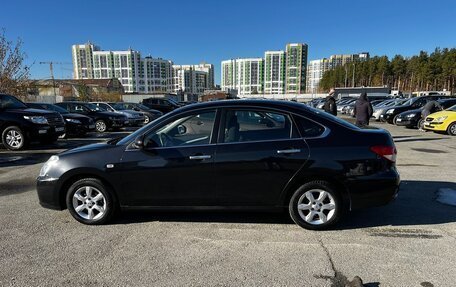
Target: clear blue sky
(192,31)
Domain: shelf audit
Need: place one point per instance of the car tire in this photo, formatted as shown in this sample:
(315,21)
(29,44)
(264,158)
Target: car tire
(395,120)
(420,124)
(451,130)
(101,126)
(146,119)
(91,202)
(13,138)
(316,205)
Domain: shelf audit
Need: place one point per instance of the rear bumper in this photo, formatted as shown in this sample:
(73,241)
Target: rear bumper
(375,190)
(48,193)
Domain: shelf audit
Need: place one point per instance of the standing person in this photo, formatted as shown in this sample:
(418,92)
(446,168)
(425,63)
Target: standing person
(429,108)
(363,110)
(330,103)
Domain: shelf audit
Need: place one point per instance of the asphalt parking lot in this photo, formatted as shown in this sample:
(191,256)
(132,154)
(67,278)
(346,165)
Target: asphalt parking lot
(407,243)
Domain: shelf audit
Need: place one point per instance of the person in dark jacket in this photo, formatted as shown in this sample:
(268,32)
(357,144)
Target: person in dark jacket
(429,108)
(363,110)
(330,103)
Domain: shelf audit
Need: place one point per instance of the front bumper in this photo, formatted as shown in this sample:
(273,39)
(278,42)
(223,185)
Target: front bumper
(435,126)
(387,118)
(48,193)
(118,123)
(408,122)
(45,131)
(76,129)
(375,190)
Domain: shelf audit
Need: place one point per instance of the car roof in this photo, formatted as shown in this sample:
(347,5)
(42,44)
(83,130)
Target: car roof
(247,103)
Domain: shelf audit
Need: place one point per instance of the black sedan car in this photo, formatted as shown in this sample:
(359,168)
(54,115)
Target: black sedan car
(103,119)
(391,114)
(76,124)
(412,119)
(231,155)
(149,114)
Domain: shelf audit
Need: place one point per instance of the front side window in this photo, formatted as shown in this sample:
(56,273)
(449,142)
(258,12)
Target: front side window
(251,125)
(194,129)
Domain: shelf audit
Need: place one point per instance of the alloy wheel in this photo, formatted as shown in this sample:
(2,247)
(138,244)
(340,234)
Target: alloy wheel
(101,126)
(89,203)
(14,139)
(316,206)
(146,119)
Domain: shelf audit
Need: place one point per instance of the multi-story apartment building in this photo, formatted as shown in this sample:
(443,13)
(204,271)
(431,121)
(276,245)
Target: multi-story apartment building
(315,71)
(274,72)
(82,60)
(244,75)
(138,74)
(317,68)
(192,79)
(296,68)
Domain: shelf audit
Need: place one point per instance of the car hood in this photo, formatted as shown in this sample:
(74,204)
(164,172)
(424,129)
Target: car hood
(416,111)
(30,112)
(75,116)
(443,114)
(86,148)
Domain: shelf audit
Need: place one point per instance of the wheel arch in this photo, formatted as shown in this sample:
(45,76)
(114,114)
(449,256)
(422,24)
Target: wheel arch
(69,179)
(304,178)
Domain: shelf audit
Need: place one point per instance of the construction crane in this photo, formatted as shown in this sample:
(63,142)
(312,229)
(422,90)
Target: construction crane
(51,70)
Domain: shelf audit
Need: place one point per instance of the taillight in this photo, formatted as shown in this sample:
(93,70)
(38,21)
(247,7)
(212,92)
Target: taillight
(388,152)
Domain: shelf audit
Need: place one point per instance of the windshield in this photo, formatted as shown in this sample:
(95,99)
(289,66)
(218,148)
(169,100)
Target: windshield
(58,109)
(141,106)
(118,107)
(10,102)
(94,108)
(452,108)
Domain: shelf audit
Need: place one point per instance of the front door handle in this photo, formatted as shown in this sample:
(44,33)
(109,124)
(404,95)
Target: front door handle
(288,151)
(199,157)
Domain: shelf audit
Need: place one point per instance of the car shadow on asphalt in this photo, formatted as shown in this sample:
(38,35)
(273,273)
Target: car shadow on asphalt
(415,205)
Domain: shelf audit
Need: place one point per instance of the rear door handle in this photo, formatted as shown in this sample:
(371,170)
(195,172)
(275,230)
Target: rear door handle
(199,157)
(288,151)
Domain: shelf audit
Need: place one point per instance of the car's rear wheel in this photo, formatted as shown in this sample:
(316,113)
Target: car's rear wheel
(101,126)
(146,119)
(90,201)
(452,129)
(315,205)
(13,138)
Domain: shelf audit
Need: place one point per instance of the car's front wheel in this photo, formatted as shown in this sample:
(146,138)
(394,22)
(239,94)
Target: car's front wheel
(13,138)
(101,126)
(146,119)
(90,201)
(452,129)
(316,205)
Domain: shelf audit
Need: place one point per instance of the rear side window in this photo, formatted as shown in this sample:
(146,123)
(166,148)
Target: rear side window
(308,128)
(255,125)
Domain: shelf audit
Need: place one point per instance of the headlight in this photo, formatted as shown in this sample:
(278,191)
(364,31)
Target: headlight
(441,119)
(52,161)
(411,116)
(390,111)
(36,119)
(74,121)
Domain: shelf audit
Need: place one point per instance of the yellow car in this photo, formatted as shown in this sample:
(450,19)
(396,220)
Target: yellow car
(443,121)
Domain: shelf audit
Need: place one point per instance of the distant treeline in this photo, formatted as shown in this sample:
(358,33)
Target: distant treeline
(422,72)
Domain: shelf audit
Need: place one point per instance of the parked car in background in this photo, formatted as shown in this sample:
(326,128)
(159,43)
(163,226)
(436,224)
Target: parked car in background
(134,118)
(391,113)
(20,125)
(381,108)
(413,119)
(149,114)
(344,104)
(443,121)
(103,119)
(76,124)
(161,104)
(257,154)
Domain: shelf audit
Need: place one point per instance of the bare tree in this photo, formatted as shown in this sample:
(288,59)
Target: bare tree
(13,73)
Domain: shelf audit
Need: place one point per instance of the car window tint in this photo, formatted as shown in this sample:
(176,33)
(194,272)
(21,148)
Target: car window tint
(250,125)
(309,128)
(195,129)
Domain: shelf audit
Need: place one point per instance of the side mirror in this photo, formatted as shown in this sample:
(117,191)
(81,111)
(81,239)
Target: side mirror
(139,142)
(181,129)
